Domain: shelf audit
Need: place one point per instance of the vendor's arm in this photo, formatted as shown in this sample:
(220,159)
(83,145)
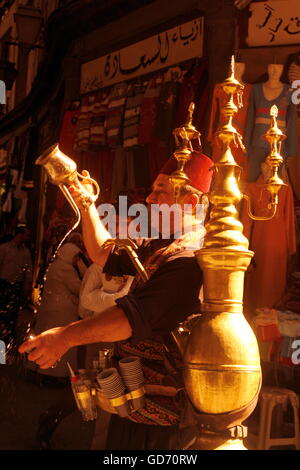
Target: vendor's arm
(157,307)
(52,344)
(94,233)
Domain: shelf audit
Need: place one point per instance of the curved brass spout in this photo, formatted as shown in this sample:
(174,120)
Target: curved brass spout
(255,217)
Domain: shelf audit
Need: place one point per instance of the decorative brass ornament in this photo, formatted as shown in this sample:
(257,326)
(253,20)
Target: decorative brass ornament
(183,139)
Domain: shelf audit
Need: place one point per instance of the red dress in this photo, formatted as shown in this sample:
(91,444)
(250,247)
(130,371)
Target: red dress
(272,241)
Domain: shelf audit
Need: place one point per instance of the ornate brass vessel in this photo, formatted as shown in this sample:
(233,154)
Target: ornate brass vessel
(222,365)
(63,172)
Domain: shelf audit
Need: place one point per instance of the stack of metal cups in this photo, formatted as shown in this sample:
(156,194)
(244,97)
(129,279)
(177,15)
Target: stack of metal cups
(131,370)
(113,387)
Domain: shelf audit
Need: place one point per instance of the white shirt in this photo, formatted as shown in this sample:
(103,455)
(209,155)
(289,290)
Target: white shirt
(97,293)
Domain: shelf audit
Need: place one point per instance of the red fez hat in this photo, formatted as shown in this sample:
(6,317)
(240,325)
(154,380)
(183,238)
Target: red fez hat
(197,170)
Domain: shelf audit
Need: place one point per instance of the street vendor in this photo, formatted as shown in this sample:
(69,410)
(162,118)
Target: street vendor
(141,322)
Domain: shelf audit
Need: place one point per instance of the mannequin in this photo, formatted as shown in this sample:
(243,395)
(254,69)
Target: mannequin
(263,97)
(273,242)
(218,101)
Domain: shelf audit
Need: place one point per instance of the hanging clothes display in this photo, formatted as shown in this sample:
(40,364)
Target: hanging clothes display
(115,114)
(258,122)
(124,133)
(273,242)
(134,101)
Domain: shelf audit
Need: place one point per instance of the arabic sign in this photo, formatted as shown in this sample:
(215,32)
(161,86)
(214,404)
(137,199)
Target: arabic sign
(162,50)
(273,23)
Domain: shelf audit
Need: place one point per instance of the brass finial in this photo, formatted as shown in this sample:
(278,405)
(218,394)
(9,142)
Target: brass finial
(183,139)
(190,113)
(227,133)
(274,136)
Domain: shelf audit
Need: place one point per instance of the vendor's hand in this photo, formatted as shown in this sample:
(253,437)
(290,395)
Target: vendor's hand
(47,348)
(77,194)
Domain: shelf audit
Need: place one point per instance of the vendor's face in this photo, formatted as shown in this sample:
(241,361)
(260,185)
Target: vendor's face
(163,195)
(162,191)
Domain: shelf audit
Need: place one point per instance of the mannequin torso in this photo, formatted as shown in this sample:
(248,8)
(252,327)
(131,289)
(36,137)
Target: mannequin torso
(263,97)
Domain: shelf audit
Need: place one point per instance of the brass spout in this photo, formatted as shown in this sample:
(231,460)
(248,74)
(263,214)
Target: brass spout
(129,246)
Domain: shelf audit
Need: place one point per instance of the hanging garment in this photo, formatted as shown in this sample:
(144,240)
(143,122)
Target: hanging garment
(134,100)
(123,176)
(69,128)
(167,103)
(97,128)
(273,241)
(239,122)
(148,111)
(100,165)
(258,122)
(194,87)
(90,134)
(83,124)
(115,114)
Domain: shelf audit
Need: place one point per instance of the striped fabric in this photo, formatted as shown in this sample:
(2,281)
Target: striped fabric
(97,128)
(132,115)
(115,114)
(91,134)
(83,124)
